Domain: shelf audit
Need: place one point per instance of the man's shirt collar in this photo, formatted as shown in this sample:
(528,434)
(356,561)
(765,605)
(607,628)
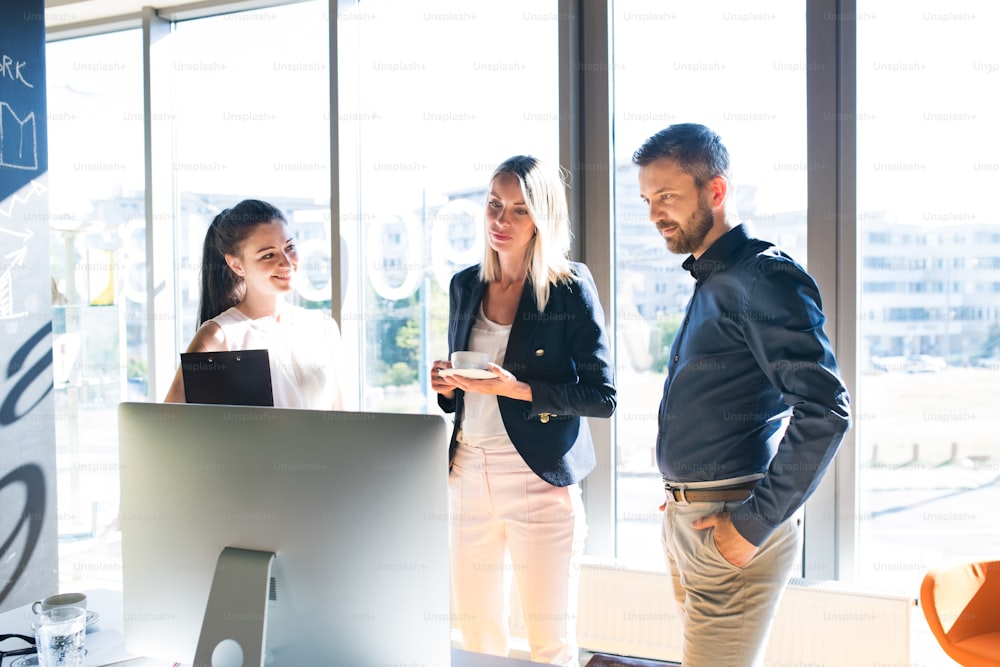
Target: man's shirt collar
(717,255)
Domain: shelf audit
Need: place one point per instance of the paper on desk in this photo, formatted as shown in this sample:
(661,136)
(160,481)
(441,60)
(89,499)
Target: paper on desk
(105,647)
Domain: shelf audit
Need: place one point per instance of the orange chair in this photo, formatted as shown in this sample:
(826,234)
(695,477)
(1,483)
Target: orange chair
(962,607)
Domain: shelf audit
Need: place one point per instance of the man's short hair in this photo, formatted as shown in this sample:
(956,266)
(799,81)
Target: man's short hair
(695,149)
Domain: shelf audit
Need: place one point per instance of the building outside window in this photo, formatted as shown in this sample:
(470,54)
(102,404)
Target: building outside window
(930,350)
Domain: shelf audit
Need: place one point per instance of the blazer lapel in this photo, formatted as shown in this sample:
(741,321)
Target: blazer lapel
(468,314)
(526,321)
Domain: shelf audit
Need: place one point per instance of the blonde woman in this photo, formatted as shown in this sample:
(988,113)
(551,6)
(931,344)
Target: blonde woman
(520,444)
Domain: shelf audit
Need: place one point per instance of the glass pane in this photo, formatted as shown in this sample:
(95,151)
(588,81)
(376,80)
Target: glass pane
(929,316)
(251,120)
(429,106)
(755,99)
(96,211)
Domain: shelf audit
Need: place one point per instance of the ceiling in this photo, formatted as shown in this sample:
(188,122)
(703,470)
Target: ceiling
(63,12)
(61,15)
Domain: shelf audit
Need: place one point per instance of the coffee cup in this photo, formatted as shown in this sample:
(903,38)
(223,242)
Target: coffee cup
(59,600)
(469,360)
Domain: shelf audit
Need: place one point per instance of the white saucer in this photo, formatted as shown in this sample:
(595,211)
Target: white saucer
(471,373)
(32,660)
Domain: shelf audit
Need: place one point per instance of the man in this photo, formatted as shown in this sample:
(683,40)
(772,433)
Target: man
(753,407)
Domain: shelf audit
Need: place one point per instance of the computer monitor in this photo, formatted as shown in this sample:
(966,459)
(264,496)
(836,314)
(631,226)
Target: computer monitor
(352,505)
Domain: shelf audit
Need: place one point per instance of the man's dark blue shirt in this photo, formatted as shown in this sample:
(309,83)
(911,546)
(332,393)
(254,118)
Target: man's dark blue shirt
(752,384)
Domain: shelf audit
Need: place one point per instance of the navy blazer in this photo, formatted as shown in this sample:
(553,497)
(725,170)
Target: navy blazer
(563,354)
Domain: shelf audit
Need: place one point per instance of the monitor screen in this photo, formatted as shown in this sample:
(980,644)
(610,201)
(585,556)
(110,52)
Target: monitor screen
(353,505)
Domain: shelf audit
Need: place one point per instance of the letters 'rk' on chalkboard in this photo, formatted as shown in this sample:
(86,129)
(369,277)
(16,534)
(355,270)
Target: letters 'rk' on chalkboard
(23,139)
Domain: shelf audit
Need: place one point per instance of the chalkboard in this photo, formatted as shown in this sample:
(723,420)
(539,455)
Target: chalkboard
(28,518)
(23,141)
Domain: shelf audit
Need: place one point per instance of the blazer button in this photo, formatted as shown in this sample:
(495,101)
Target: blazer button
(539,352)
(544,417)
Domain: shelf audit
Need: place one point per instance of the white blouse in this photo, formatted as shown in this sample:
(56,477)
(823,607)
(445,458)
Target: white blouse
(304,348)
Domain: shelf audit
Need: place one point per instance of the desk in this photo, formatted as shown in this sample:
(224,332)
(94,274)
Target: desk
(106,641)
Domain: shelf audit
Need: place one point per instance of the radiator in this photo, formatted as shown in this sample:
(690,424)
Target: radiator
(819,624)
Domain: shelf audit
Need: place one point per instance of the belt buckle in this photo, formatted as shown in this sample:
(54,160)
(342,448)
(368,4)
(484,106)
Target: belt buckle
(683,493)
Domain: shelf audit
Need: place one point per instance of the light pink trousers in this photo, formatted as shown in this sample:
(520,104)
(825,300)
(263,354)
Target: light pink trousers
(505,520)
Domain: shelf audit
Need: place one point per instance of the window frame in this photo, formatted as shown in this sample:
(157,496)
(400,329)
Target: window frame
(585,137)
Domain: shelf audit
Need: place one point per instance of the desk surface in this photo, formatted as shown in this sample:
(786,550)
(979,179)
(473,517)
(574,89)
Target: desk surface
(106,641)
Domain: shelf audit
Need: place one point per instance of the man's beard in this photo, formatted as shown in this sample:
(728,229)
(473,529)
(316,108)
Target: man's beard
(688,238)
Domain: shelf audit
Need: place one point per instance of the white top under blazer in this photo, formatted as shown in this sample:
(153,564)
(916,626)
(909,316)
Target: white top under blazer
(482,425)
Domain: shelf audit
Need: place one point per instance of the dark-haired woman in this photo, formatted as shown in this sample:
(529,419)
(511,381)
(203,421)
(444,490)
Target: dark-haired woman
(249,264)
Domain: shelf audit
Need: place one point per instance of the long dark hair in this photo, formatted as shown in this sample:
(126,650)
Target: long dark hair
(221,288)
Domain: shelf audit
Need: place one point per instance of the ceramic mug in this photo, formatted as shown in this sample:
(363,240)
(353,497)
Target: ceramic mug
(59,600)
(469,360)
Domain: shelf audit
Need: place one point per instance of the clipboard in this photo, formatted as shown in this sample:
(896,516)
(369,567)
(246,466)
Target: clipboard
(241,377)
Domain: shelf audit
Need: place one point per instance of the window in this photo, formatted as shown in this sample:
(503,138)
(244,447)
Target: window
(926,424)
(421,131)
(98,285)
(755,99)
(251,120)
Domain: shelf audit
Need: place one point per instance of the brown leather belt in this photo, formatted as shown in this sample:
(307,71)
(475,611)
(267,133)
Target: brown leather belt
(729,493)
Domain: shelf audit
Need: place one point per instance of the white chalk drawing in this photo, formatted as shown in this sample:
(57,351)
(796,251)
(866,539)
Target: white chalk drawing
(11,261)
(15,199)
(15,258)
(18,140)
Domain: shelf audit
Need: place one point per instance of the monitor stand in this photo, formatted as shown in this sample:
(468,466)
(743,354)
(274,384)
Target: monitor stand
(233,630)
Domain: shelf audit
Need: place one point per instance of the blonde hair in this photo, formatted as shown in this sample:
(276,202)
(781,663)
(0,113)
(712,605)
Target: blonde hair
(547,256)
